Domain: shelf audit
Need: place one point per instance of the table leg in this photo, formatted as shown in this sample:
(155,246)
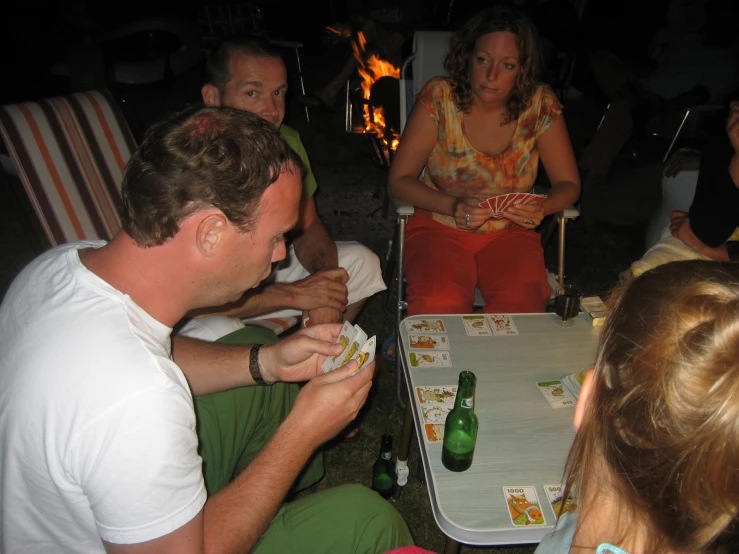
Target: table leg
(451,546)
(401,465)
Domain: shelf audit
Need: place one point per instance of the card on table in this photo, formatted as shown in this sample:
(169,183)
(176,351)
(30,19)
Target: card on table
(435,412)
(444,393)
(476,326)
(425,326)
(556,394)
(428,342)
(554,496)
(503,325)
(430,359)
(433,432)
(523,505)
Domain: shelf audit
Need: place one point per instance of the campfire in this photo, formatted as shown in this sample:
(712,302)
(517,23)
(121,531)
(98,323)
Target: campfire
(379,89)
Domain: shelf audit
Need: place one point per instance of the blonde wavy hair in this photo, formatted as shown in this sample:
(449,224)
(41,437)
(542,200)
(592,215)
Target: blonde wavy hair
(462,48)
(661,429)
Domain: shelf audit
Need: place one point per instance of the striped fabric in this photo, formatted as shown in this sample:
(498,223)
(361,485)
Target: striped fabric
(70,154)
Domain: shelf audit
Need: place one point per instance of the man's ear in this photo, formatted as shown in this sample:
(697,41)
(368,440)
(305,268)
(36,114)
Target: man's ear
(585,391)
(211,95)
(210,233)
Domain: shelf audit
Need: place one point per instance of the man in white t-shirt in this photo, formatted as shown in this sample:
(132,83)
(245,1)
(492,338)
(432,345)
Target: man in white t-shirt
(101,449)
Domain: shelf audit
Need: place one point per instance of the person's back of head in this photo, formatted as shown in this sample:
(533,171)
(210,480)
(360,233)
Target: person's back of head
(217,66)
(201,157)
(660,432)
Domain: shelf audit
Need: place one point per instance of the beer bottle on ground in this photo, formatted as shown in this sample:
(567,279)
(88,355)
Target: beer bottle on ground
(460,430)
(383,479)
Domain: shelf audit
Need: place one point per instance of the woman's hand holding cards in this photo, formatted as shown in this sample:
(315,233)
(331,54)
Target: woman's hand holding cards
(468,214)
(525,215)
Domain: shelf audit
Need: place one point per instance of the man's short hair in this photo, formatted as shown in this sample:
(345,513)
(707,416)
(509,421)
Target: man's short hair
(201,157)
(217,72)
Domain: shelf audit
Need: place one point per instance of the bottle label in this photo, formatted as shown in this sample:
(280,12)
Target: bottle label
(466,403)
(386,455)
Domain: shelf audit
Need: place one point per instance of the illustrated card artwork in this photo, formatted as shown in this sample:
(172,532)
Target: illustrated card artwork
(428,342)
(476,326)
(425,326)
(366,354)
(554,496)
(359,339)
(430,359)
(433,432)
(435,412)
(345,338)
(556,394)
(523,506)
(503,325)
(444,393)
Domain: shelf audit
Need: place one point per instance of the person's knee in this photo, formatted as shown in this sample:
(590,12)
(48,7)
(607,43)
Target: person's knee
(375,515)
(451,301)
(363,267)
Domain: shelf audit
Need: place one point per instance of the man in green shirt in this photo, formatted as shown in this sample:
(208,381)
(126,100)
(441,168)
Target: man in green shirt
(322,280)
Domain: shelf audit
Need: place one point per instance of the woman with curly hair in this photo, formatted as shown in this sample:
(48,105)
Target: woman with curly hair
(480,133)
(655,461)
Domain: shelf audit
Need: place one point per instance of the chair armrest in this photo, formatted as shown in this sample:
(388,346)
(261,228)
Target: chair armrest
(571,213)
(402,208)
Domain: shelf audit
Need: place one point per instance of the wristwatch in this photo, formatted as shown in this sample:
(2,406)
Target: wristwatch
(254,367)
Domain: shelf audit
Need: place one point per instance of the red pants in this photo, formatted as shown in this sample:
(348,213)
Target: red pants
(443,266)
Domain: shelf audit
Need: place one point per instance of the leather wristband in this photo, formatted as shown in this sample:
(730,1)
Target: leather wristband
(254,368)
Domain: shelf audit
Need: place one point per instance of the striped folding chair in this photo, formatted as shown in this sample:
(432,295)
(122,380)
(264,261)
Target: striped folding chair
(70,154)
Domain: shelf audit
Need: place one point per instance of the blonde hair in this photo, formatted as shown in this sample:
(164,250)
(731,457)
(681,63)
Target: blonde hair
(663,418)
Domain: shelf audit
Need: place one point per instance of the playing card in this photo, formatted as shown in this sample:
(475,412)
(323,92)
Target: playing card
(554,496)
(503,324)
(444,393)
(430,359)
(523,506)
(359,339)
(428,342)
(435,412)
(345,338)
(476,326)
(433,432)
(366,354)
(556,394)
(534,198)
(425,326)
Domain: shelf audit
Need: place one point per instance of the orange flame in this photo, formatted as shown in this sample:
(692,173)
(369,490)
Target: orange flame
(371,70)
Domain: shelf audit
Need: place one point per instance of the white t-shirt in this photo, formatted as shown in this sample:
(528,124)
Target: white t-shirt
(97,427)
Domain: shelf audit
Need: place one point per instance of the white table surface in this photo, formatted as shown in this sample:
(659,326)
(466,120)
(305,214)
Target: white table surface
(521,440)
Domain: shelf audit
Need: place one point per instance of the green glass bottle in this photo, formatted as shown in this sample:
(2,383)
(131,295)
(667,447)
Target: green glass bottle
(383,479)
(460,430)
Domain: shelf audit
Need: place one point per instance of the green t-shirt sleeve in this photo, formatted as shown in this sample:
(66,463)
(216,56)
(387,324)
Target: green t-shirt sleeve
(292,138)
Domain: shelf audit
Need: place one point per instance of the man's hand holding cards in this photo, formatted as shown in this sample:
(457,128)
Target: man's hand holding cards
(355,345)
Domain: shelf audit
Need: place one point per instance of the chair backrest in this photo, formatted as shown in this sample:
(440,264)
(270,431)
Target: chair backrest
(427,61)
(70,154)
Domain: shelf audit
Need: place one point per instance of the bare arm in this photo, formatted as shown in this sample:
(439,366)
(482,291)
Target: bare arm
(555,151)
(236,517)
(419,138)
(213,367)
(314,248)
